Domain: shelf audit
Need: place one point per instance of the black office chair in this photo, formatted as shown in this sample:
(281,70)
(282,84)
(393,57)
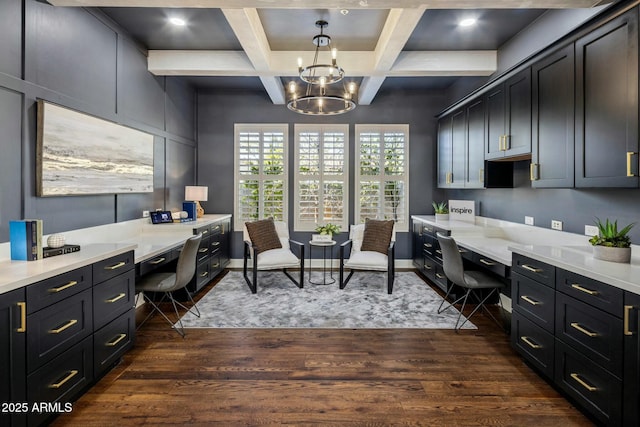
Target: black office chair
(470,280)
(168,282)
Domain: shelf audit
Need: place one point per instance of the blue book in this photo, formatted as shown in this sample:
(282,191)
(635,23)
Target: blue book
(23,236)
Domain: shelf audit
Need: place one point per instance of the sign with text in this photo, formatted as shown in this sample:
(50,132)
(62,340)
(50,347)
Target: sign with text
(462,210)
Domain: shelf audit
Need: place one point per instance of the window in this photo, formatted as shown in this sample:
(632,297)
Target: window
(322,178)
(260,172)
(382,175)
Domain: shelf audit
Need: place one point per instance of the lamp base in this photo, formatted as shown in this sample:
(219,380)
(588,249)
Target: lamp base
(199,210)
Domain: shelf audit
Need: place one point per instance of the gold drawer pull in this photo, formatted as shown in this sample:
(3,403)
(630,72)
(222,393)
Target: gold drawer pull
(489,263)
(217,227)
(116,341)
(438,251)
(215,244)
(530,343)
(71,374)
(440,276)
(216,265)
(114,299)
(157,261)
(629,155)
(582,382)
(576,325)
(203,250)
(428,267)
(116,266)
(63,287)
(627,310)
(204,274)
(69,324)
(428,245)
(585,290)
(532,269)
(205,232)
(529,300)
(481,175)
(462,251)
(23,317)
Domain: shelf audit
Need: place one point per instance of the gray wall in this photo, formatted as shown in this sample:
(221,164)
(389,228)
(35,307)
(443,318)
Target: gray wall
(80,59)
(217,113)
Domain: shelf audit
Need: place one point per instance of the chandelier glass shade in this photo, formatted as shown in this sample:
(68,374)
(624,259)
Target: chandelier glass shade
(321,95)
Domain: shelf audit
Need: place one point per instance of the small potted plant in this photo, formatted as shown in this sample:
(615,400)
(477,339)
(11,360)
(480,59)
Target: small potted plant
(611,244)
(441,210)
(328,230)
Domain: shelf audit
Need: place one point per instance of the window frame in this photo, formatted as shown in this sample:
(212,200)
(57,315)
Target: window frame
(403,225)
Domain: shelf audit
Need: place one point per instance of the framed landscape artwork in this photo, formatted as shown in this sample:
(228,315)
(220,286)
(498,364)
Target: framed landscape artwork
(78,154)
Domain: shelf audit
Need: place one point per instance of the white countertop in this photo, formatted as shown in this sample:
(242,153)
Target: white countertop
(498,239)
(97,243)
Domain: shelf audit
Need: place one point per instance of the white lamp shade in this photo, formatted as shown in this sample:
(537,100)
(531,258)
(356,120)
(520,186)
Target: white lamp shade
(196,193)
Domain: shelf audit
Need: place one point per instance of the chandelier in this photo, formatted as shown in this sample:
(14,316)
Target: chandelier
(322,96)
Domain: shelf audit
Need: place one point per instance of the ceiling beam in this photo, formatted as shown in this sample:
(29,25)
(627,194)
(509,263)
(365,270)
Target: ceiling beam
(338,4)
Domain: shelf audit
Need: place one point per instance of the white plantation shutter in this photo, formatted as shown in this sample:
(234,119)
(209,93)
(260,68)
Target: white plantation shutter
(382,176)
(261,172)
(321,176)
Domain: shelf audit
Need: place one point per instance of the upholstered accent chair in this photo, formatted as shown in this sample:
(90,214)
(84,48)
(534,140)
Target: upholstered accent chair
(268,246)
(371,247)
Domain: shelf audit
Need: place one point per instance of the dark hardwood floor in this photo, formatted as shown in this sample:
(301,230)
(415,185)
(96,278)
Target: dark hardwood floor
(391,377)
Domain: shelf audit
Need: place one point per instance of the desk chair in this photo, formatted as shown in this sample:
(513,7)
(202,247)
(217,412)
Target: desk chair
(471,280)
(168,282)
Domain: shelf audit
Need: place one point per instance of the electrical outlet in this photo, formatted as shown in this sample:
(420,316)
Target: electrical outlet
(590,230)
(145,214)
(556,225)
(528,220)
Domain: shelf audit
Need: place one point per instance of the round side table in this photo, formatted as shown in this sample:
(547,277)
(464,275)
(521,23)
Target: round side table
(324,245)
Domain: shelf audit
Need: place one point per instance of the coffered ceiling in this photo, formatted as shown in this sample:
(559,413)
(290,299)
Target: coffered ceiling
(411,43)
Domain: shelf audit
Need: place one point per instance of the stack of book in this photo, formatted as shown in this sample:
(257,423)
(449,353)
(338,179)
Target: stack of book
(26,239)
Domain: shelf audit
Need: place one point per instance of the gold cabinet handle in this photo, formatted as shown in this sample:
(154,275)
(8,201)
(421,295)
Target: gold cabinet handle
(440,276)
(500,143)
(114,299)
(506,142)
(217,227)
(215,244)
(203,250)
(582,382)
(481,175)
(204,274)
(530,343)
(23,317)
(534,173)
(157,261)
(579,327)
(582,289)
(216,265)
(627,311)
(115,342)
(116,266)
(438,251)
(629,155)
(489,263)
(532,269)
(427,267)
(63,287)
(69,324)
(529,300)
(205,232)
(462,250)
(59,384)
(427,245)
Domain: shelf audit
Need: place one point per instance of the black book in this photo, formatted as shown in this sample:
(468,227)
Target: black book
(66,249)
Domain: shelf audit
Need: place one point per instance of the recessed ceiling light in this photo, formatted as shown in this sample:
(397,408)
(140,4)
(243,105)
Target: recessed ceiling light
(467,22)
(178,22)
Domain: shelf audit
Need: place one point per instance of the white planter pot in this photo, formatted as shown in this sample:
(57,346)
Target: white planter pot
(606,253)
(442,217)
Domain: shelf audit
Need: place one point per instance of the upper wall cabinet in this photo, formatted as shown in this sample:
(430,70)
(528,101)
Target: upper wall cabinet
(607,105)
(508,117)
(444,151)
(552,156)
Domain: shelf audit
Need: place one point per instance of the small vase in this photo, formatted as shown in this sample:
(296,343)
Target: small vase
(442,217)
(606,253)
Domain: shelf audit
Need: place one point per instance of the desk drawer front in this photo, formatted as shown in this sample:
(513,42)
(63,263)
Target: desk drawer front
(490,264)
(596,389)
(111,267)
(596,334)
(534,300)
(203,275)
(112,341)
(113,298)
(50,291)
(429,246)
(534,343)
(54,329)
(204,251)
(595,293)
(536,270)
(157,262)
(205,230)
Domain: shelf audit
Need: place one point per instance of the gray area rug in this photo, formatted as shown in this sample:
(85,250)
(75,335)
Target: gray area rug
(362,304)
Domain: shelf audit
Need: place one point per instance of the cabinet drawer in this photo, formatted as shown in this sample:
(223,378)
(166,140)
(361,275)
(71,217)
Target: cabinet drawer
(112,341)
(216,229)
(592,332)
(203,275)
(534,343)
(534,300)
(215,243)
(595,389)
(56,328)
(466,253)
(111,267)
(490,264)
(429,267)
(215,264)
(50,291)
(536,270)
(112,298)
(62,379)
(440,277)
(204,251)
(429,246)
(595,293)
(154,263)
(205,230)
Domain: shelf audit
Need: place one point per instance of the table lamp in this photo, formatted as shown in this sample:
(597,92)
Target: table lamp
(197,193)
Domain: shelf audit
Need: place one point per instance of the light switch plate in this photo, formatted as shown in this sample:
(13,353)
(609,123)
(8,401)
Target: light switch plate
(528,220)
(590,230)
(556,225)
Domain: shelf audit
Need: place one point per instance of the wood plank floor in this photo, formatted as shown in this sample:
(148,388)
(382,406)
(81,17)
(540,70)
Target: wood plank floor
(338,377)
